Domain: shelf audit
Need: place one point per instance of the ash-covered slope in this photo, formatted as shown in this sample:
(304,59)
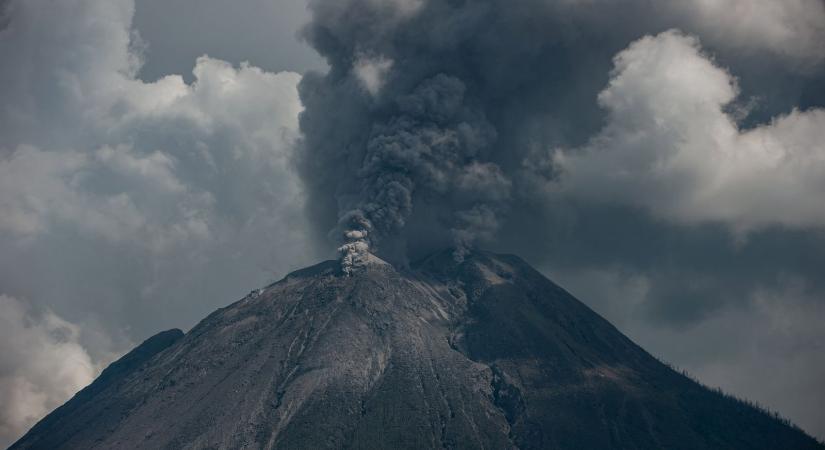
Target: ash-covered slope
(483,354)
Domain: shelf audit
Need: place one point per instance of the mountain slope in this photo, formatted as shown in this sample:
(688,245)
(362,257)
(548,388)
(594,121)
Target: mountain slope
(487,353)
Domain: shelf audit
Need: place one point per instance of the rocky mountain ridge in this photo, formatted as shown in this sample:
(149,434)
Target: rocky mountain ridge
(483,353)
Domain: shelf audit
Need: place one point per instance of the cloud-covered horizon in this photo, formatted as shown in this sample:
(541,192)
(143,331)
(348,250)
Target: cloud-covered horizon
(668,170)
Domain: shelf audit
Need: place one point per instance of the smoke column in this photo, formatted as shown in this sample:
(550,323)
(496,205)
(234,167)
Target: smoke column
(433,126)
(400,143)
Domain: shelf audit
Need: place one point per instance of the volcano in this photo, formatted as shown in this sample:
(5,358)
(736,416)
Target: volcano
(481,353)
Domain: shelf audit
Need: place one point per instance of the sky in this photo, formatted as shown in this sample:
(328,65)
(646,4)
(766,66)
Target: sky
(664,162)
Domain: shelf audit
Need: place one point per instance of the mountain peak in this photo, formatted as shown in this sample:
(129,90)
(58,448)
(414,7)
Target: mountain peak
(482,352)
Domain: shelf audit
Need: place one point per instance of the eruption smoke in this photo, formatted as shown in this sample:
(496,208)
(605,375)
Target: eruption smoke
(429,145)
(436,122)
(399,131)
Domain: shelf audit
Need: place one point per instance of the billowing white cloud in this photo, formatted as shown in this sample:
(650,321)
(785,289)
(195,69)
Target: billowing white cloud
(42,365)
(670,146)
(158,168)
(136,206)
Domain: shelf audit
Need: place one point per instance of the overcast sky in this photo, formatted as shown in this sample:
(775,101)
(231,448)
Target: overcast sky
(665,163)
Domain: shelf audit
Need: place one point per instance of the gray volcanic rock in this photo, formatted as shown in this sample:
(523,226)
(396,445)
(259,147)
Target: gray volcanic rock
(486,353)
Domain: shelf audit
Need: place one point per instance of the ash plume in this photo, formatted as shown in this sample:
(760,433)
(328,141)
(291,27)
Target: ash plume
(437,120)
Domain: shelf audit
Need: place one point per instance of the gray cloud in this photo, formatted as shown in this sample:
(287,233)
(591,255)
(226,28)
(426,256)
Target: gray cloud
(765,349)
(127,207)
(791,31)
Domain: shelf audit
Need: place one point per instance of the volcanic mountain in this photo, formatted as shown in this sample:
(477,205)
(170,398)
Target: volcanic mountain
(482,353)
